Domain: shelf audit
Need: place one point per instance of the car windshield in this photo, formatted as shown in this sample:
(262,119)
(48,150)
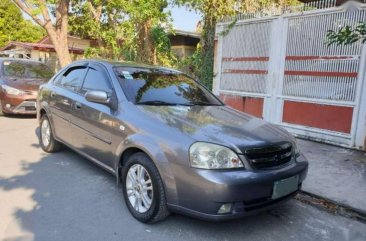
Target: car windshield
(22,69)
(148,86)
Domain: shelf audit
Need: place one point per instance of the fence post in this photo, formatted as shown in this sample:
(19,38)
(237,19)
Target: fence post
(218,60)
(276,68)
(360,128)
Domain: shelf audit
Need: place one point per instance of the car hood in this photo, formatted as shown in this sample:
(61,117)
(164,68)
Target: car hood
(24,84)
(219,124)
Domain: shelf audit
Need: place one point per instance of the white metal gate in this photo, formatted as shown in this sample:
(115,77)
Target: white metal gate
(313,90)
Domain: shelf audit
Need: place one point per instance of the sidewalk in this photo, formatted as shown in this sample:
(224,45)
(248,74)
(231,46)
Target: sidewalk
(335,173)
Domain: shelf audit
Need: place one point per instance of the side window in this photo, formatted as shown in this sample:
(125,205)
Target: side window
(96,79)
(72,79)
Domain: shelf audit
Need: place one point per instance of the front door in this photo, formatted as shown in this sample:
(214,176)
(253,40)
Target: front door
(92,123)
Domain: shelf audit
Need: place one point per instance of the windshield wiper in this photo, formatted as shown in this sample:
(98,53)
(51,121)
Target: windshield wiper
(160,102)
(204,103)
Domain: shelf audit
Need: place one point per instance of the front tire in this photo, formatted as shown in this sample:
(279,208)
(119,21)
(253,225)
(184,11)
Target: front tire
(2,113)
(143,189)
(46,138)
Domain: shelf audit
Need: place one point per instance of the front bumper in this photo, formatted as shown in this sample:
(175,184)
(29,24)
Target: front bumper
(22,104)
(202,192)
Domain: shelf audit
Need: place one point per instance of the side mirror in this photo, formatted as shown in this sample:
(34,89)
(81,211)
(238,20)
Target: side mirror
(97,96)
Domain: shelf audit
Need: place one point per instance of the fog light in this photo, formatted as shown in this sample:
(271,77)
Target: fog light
(8,106)
(225,208)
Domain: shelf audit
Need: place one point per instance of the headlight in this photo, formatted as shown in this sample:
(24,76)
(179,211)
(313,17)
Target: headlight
(295,147)
(211,156)
(11,91)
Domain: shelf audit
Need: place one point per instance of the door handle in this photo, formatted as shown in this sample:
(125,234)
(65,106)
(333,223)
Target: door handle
(77,105)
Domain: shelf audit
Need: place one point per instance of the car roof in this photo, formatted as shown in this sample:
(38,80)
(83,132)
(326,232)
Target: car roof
(127,64)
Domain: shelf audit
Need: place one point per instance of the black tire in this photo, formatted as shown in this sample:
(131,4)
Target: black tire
(1,110)
(158,210)
(53,145)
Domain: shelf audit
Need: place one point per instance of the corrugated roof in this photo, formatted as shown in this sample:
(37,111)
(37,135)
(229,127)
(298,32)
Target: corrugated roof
(37,46)
(187,33)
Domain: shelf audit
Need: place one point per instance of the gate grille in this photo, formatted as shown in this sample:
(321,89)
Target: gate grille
(314,70)
(245,65)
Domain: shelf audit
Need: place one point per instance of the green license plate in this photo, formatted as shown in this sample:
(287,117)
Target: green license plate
(284,187)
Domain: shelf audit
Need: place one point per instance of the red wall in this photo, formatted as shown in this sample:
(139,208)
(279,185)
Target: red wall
(252,106)
(328,117)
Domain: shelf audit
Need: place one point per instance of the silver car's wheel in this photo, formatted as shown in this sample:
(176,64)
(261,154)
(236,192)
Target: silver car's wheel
(143,189)
(139,188)
(45,132)
(46,138)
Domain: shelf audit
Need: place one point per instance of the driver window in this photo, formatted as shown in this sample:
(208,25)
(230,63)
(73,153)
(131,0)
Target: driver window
(96,79)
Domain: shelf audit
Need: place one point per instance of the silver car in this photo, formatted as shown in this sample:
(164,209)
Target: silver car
(172,145)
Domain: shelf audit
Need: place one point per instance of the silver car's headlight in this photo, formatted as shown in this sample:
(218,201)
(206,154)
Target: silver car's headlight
(211,156)
(295,149)
(11,91)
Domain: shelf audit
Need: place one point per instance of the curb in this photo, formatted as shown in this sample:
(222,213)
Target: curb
(331,206)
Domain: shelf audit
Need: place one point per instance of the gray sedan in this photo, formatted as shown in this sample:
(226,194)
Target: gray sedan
(172,145)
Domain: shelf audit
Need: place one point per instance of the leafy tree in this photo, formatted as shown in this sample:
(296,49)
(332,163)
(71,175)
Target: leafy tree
(43,12)
(124,29)
(347,35)
(103,21)
(162,53)
(13,27)
(145,14)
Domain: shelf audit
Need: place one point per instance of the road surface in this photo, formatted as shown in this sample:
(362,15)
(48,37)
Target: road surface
(63,196)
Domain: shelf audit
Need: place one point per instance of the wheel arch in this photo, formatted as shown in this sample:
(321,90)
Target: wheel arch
(44,110)
(142,143)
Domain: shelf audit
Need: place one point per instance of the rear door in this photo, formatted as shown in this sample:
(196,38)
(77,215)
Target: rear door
(63,93)
(92,123)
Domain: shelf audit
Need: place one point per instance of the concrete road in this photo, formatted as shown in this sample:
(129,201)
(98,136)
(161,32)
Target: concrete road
(65,197)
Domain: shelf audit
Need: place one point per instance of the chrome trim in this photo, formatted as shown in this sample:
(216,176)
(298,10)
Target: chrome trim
(21,108)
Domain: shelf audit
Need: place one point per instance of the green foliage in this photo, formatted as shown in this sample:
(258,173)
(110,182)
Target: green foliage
(162,48)
(13,27)
(124,29)
(191,65)
(347,35)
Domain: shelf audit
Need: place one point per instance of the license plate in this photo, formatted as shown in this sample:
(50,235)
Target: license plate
(284,187)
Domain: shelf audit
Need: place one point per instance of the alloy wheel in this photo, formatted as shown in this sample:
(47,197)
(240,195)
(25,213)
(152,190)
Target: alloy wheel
(139,188)
(45,132)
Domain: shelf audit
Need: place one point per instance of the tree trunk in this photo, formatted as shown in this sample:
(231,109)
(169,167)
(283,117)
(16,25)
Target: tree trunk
(57,33)
(60,44)
(144,43)
(62,51)
(208,43)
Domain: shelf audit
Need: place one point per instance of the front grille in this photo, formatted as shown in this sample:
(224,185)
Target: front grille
(270,156)
(30,108)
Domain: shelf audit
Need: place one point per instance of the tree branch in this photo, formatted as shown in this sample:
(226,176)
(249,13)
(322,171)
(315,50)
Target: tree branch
(44,10)
(28,11)
(96,12)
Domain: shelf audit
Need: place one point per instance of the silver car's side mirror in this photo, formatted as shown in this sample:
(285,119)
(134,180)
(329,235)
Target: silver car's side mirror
(97,96)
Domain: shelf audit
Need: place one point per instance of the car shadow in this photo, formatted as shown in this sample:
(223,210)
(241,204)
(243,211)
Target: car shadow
(17,116)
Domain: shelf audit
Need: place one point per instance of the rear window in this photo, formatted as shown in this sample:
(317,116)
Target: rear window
(22,69)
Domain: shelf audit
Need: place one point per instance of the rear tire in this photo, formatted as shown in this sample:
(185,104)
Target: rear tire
(47,141)
(143,189)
